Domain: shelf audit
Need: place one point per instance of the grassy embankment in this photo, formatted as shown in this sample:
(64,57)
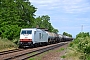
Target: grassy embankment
(6,45)
(79,49)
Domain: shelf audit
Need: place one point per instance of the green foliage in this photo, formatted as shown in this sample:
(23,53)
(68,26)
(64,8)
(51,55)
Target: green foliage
(17,14)
(61,49)
(44,22)
(82,44)
(64,33)
(31,59)
(63,56)
(82,34)
(88,57)
(71,44)
(55,31)
(16,41)
(10,32)
(14,15)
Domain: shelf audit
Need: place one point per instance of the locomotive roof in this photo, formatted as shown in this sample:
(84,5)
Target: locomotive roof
(35,28)
(43,29)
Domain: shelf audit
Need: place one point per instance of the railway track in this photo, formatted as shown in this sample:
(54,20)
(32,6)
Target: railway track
(10,51)
(33,53)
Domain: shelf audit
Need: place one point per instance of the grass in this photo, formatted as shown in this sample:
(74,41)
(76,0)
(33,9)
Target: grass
(63,56)
(61,49)
(72,54)
(32,53)
(32,59)
(6,45)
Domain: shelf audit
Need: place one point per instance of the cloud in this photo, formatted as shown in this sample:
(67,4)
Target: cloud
(75,6)
(68,6)
(46,4)
(44,1)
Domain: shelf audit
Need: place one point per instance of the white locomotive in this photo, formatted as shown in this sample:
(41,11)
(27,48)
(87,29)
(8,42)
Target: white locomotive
(31,36)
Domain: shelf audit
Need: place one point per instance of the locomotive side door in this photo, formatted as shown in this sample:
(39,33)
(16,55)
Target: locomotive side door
(37,36)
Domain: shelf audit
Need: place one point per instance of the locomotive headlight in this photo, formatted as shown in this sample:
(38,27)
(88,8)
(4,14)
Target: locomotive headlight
(20,42)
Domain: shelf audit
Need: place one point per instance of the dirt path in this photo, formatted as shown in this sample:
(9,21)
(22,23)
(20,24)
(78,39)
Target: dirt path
(56,54)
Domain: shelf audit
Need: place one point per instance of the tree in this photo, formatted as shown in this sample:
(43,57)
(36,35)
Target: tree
(67,34)
(15,13)
(44,22)
(82,34)
(55,31)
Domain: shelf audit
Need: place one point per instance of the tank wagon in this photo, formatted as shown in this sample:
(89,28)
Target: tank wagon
(52,37)
(61,37)
(66,38)
(34,36)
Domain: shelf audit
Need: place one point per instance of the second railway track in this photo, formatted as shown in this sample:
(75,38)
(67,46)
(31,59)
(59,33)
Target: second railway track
(32,53)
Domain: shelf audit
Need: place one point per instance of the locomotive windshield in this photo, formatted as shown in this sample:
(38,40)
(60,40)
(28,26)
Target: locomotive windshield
(26,32)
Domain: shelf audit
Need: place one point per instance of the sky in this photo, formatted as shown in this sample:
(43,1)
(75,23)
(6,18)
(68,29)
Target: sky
(71,16)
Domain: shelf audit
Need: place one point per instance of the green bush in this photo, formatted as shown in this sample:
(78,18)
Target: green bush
(84,46)
(10,32)
(88,57)
(16,41)
(71,44)
(82,35)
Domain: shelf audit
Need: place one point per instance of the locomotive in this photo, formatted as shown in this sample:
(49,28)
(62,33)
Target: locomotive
(30,37)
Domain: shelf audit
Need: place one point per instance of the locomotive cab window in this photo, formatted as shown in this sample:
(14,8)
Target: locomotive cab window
(23,32)
(29,32)
(26,32)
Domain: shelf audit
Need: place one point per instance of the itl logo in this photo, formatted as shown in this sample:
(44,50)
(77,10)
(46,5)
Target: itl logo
(26,37)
